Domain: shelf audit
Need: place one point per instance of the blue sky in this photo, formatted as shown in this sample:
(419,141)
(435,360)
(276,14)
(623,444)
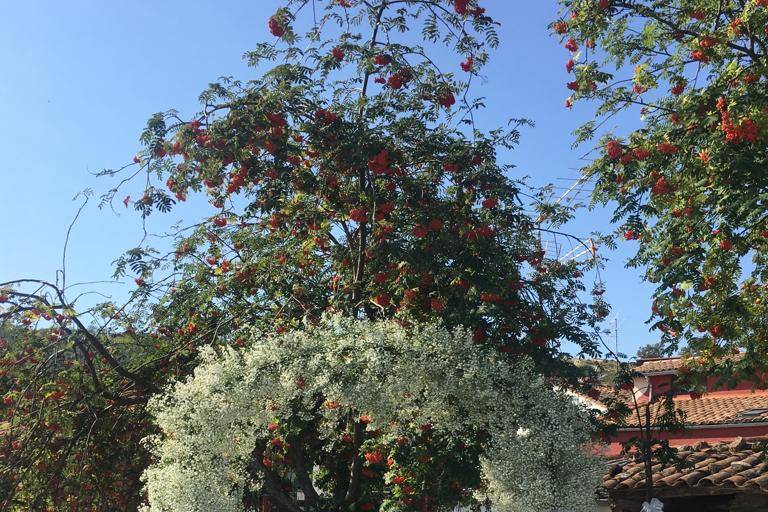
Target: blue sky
(80,79)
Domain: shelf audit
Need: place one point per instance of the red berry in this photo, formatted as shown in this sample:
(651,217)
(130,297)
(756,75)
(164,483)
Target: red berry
(640,154)
(446,99)
(667,148)
(420,231)
(614,150)
(275,27)
(395,81)
(435,225)
(379,164)
(358,215)
(338,54)
(450,167)
(490,202)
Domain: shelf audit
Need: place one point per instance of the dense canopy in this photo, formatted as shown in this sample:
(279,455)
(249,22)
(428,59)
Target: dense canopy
(689,184)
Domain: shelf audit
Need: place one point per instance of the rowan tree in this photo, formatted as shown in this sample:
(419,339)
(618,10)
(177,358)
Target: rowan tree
(373,194)
(73,414)
(688,184)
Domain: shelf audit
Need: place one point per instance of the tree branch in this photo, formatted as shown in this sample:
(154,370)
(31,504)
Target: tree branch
(353,491)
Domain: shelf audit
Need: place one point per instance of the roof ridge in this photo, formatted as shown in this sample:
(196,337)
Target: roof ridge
(724,395)
(737,464)
(645,359)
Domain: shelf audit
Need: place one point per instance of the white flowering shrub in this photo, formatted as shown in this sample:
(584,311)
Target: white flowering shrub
(359,415)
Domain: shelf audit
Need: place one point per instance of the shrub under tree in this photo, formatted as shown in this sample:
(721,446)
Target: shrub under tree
(357,415)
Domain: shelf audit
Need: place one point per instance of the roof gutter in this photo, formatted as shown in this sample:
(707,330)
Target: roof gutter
(703,426)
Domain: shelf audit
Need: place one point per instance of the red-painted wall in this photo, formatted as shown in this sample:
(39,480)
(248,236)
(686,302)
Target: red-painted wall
(662,383)
(691,436)
(741,386)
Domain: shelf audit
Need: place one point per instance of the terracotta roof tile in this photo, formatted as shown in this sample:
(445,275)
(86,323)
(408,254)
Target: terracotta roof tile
(719,410)
(737,464)
(659,365)
(671,364)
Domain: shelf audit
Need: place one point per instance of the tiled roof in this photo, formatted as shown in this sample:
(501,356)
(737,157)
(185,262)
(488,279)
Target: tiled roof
(659,365)
(671,364)
(739,465)
(591,403)
(599,401)
(724,409)
(719,409)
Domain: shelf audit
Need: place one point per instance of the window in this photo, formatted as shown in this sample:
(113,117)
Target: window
(751,413)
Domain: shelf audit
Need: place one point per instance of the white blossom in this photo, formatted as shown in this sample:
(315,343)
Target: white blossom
(394,375)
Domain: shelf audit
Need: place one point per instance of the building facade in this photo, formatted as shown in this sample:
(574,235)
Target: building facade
(721,461)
